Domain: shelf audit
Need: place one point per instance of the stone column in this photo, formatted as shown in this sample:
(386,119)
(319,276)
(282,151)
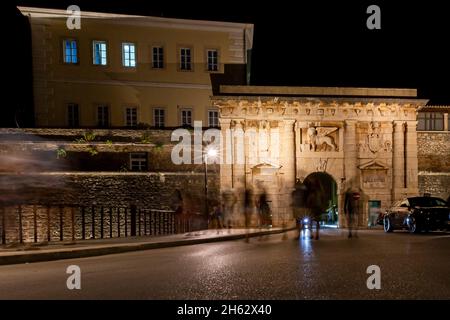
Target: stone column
(287,140)
(350,164)
(446,122)
(386,199)
(298,139)
(225,153)
(412,171)
(301,161)
(398,160)
(238,170)
(350,153)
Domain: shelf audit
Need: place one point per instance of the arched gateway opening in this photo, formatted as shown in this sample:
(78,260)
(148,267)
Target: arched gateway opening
(321,191)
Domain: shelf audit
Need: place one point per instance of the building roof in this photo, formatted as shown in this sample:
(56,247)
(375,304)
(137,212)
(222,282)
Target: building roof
(319,91)
(148,21)
(435,108)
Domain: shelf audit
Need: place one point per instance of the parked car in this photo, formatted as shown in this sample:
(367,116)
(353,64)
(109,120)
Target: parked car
(417,214)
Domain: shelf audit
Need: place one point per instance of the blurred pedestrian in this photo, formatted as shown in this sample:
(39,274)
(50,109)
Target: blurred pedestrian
(228,201)
(351,209)
(264,210)
(248,210)
(299,206)
(316,203)
(217,217)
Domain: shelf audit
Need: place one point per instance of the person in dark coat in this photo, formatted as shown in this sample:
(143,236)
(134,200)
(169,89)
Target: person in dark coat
(299,205)
(316,203)
(351,209)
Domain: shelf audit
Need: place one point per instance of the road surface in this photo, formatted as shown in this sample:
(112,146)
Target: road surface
(272,267)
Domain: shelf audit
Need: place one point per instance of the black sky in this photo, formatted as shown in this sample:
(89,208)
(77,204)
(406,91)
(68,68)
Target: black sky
(324,43)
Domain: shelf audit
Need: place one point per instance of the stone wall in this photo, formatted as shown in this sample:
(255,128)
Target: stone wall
(37,150)
(434,151)
(434,163)
(59,195)
(149,190)
(436,184)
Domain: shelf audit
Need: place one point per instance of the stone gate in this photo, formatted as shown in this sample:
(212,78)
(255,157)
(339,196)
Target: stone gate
(361,137)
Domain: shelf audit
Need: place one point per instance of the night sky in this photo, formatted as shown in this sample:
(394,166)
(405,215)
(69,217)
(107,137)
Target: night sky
(323,43)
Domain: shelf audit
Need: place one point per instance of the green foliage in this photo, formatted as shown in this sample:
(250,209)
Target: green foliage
(158,145)
(87,137)
(61,153)
(145,137)
(92,150)
(109,142)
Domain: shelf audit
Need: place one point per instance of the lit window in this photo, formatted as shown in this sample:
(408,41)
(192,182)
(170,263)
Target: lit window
(99,53)
(129,55)
(158,116)
(70,51)
(213,60)
(131,117)
(103,116)
(430,121)
(213,118)
(158,57)
(138,161)
(186,118)
(73,115)
(185,59)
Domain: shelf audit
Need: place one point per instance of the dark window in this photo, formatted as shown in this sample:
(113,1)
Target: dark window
(186,118)
(213,118)
(430,121)
(131,117)
(185,59)
(213,60)
(103,116)
(159,117)
(158,57)
(73,115)
(138,161)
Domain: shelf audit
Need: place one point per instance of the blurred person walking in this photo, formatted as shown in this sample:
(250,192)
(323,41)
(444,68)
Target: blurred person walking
(351,209)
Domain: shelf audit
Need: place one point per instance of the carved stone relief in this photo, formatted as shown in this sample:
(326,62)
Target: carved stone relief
(319,140)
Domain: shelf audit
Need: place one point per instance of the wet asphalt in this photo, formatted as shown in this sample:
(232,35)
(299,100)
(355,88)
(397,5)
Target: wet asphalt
(271,267)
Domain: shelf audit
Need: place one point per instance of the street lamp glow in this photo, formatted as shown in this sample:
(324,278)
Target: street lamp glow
(211,153)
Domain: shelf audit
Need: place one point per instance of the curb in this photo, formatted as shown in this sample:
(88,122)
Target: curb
(121,248)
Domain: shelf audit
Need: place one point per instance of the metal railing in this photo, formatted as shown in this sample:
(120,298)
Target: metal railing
(46,223)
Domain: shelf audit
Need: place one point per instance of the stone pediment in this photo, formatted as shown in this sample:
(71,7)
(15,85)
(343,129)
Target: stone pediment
(373,165)
(265,168)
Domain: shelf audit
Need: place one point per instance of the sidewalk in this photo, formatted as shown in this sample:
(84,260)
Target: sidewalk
(88,248)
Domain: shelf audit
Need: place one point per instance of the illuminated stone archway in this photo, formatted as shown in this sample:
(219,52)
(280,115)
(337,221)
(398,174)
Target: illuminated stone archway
(359,140)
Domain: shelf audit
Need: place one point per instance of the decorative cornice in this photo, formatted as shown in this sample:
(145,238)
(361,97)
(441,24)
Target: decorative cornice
(319,91)
(146,21)
(319,109)
(329,101)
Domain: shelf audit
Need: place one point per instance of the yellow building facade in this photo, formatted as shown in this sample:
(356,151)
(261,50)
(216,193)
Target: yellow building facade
(129,71)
